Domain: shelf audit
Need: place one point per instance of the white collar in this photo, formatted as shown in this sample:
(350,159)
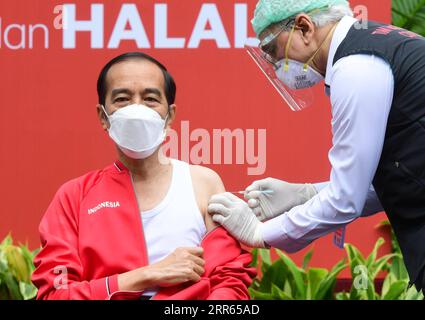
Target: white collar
(339,35)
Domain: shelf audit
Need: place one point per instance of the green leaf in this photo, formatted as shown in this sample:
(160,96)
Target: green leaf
(326,287)
(254,254)
(409,14)
(4,292)
(372,257)
(13,287)
(6,241)
(35,252)
(384,223)
(395,290)
(398,268)
(29,257)
(354,254)
(315,277)
(361,276)
(380,264)
(27,290)
(275,274)
(413,294)
(266,260)
(297,275)
(307,259)
(287,288)
(388,281)
(279,294)
(257,295)
(4,266)
(342,296)
(394,242)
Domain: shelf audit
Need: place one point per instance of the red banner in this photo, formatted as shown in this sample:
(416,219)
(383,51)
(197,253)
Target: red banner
(229,117)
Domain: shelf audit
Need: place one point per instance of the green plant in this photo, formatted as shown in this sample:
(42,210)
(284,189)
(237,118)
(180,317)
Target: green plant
(16,267)
(284,280)
(397,272)
(364,272)
(409,14)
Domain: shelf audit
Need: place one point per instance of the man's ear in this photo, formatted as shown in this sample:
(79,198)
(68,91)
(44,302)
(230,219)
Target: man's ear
(102,117)
(171,115)
(304,23)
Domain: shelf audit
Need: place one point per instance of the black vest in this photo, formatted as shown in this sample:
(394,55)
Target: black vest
(400,178)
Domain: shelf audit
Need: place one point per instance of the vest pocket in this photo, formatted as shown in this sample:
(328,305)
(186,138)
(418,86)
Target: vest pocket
(409,173)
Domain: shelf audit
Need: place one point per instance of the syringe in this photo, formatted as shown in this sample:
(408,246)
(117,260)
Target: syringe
(243,192)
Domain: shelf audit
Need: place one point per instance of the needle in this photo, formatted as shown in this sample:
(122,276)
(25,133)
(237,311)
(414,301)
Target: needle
(243,192)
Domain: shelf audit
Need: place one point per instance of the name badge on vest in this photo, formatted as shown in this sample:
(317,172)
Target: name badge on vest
(327,90)
(339,238)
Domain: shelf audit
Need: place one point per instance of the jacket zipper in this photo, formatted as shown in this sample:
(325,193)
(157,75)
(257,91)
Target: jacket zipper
(139,214)
(144,239)
(409,173)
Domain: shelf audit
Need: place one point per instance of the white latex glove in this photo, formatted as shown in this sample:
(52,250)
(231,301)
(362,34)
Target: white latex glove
(235,215)
(284,197)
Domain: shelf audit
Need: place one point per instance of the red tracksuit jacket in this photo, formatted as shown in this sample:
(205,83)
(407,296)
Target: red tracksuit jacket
(92,231)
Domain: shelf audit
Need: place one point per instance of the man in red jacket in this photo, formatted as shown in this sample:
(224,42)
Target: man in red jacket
(138,228)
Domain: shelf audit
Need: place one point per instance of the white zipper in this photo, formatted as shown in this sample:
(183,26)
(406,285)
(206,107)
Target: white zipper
(140,217)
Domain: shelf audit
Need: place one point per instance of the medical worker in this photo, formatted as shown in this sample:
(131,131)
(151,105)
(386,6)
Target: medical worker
(375,78)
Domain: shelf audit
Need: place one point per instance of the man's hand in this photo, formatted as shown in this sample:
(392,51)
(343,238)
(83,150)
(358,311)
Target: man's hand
(183,265)
(282,198)
(235,215)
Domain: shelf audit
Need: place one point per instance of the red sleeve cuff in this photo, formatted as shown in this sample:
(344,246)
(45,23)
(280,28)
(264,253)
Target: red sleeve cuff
(113,284)
(103,288)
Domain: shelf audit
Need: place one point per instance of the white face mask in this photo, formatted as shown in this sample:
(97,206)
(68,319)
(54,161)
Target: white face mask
(137,130)
(296,75)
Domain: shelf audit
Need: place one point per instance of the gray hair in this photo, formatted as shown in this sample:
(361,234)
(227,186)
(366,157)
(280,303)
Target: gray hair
(331,15)
(323,17)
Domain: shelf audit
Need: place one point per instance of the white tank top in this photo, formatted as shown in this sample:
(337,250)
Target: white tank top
(176,221)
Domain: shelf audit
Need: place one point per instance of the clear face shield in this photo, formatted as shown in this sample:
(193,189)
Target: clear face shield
(293,80)
(296,99)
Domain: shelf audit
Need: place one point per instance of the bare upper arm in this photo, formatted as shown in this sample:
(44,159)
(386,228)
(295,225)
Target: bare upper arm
(206,183)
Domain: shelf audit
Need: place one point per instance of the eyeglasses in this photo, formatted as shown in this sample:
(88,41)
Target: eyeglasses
(269,44)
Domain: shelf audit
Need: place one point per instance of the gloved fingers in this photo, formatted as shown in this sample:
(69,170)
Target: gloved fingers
(218,218)
(253,203)
(257,211)
(221,198)
(249,189)
(218,208)
(256,185)
(253,194)
(265,207)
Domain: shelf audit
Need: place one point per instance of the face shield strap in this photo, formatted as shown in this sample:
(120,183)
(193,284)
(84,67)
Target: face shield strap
(328,36)
(288,44)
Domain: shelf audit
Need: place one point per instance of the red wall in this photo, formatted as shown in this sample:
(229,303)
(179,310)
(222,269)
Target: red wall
(49,131)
